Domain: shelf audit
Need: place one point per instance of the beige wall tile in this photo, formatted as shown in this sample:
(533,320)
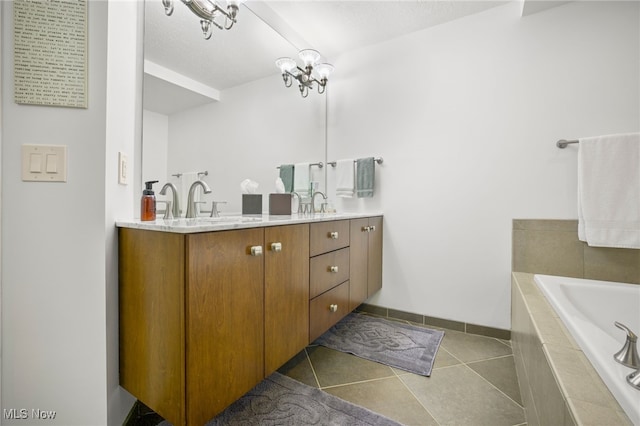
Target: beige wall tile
(547,252)
(612,264)
(546,225)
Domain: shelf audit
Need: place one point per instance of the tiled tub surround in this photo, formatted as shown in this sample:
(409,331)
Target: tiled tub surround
(589,309)
(558,384)
(552,371)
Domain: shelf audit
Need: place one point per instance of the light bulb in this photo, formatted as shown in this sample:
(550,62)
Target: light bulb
(324,70)
(309,57)
(285,64)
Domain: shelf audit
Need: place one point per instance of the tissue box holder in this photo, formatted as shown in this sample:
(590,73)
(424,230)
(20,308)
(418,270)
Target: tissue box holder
(251,203)
(280,204)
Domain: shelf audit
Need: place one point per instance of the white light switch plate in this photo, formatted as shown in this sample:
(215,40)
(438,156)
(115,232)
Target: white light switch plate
(123,168)
(44,163)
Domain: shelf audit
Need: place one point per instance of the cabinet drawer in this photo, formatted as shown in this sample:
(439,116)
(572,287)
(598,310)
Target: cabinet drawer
(327,271)
(327,309)
(328,236)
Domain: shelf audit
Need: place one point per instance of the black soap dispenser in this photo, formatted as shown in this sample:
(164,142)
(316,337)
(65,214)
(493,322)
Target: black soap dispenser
(148,202)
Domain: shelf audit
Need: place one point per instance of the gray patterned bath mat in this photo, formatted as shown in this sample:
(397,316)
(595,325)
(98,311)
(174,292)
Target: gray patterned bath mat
(391,343)
(280,400)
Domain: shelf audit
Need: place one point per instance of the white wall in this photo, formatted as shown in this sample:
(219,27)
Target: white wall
(155,131)
(123,134)
(59,278)
(466,116)
(252,130)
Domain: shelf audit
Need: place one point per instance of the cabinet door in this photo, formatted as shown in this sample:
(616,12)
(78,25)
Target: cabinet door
(374,267)
(151,318)
(286,292)
(358,269)
(224,311)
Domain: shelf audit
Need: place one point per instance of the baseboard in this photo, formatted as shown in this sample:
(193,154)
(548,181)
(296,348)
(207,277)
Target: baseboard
(469,328)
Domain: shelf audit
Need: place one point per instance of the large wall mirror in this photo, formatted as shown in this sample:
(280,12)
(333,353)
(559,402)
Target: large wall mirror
(220,106)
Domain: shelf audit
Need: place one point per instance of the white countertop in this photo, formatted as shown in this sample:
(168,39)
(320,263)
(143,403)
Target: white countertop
(208,224)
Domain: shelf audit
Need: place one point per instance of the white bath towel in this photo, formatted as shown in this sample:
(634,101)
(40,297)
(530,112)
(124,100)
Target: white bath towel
(609,191)
(301,180)
(345,178)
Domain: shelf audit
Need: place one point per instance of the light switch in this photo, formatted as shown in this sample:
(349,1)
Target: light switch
(44,163)
(122,168)
(52,163)
(35,163)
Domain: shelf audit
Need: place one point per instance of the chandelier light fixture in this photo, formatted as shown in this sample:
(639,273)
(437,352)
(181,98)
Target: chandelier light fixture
(305,77)
(208,11)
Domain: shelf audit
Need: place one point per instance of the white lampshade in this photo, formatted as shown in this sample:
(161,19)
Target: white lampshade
(324,70)
(285,64)
(309,57)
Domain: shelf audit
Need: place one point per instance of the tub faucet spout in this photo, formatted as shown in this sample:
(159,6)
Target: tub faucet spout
(628,355)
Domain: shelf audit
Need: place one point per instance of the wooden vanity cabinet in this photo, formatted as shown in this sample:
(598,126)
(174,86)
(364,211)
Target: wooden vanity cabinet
(203,318)
(366,259)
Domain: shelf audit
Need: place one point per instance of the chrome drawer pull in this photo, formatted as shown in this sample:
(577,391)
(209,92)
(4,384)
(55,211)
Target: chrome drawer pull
(333,269)
(372,228)
(366,228)
(256,251)
(333,308)
(333,235)
(277,247)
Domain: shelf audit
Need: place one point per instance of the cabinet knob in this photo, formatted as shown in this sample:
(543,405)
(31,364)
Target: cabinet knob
(333,308)
(333,235)
(256,250)
(366,228)
(372,228)
(277,247)
(333,269)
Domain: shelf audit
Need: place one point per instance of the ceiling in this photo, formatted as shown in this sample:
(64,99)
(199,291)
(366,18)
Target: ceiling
(269,29)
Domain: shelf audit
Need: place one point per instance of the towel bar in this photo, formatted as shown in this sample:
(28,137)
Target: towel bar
(562,143)
(319,164)
(378,160)
(205,173)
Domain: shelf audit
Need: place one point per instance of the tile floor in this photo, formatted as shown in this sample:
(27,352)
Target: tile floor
(473,382)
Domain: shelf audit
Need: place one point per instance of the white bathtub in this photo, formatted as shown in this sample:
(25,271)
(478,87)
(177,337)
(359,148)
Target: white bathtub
(588,309)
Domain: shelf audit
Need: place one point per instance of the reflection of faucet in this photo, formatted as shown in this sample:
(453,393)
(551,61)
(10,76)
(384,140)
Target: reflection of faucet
(175,202)
(313,202)
(191,206)
(299,200)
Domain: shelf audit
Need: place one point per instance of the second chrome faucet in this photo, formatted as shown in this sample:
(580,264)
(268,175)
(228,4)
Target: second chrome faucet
(191,205)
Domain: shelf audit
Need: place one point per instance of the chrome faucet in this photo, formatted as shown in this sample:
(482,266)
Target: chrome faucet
(175,202)
(191,205)
(313,203)
(628,355)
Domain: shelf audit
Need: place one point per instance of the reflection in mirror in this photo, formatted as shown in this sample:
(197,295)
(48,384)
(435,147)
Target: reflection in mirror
(220,106)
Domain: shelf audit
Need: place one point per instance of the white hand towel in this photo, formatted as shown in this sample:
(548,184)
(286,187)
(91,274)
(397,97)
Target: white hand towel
(345,178)
(301,179)
(609,191)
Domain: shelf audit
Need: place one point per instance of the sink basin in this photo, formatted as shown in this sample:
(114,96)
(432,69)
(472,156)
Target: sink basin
(203,221)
